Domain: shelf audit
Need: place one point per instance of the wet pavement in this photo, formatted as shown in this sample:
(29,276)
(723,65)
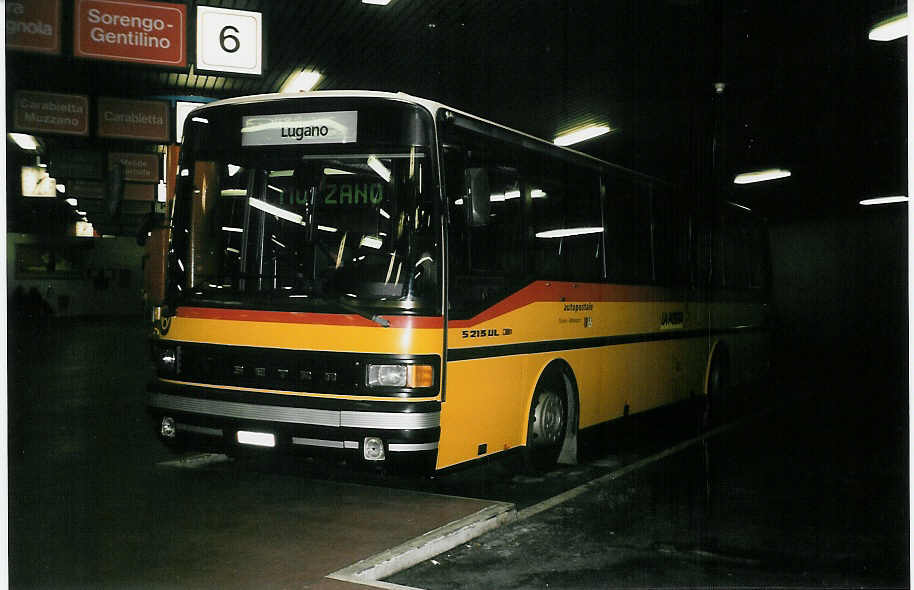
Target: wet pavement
(812,493)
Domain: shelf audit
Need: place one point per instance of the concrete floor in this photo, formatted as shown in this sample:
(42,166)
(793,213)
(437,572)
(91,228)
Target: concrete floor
(91,505)
(813,494)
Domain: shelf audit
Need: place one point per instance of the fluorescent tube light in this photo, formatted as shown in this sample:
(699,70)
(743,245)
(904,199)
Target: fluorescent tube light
(537,194)
(582,134)
(376,2)
(571,231)
(233,169)
(375,164)
(199,119)
(236,230)
(890,29)
(301,82)
(25,141)
(61,188)
(371,242)
(760,176)
(335,172)
(739,206)
(72,201)
(884,200)
(325,228)
(274,210)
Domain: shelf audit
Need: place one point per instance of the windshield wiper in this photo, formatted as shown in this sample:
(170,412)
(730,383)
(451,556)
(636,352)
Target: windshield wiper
(353,309)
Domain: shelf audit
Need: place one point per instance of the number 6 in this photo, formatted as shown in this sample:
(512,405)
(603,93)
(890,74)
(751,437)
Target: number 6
(232,39)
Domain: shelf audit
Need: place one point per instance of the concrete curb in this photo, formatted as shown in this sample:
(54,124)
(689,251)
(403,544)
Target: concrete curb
(372,569)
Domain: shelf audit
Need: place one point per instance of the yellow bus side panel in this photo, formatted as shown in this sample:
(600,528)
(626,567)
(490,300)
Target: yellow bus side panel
(484,405)
(488,400)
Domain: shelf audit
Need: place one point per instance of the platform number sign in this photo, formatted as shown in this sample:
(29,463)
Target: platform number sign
(229,40)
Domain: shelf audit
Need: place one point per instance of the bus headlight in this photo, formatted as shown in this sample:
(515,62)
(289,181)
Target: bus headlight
(401,376)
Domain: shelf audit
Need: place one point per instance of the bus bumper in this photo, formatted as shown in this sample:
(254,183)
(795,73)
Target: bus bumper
(398,432)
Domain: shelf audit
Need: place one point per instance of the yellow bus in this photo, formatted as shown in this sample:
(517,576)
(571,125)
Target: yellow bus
(385,277)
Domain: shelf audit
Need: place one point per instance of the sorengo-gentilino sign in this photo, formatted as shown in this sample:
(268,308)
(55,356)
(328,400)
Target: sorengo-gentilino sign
(131,30)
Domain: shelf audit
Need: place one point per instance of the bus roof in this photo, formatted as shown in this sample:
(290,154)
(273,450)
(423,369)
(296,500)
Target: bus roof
(432,107)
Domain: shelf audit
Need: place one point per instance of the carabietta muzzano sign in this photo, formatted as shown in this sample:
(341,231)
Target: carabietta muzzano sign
(299,128)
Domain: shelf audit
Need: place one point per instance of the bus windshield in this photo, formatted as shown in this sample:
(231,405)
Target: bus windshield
(301,230)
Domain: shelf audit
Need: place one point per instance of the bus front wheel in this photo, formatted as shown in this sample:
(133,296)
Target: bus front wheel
(547,424)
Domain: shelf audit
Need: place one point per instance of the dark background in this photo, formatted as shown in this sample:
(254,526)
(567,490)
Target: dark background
(804,90)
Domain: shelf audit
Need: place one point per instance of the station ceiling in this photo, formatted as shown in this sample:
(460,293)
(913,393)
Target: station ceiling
(805,88)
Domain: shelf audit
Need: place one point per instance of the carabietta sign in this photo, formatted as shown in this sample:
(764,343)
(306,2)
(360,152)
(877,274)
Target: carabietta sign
(49,112)
(133,119)
(300,128)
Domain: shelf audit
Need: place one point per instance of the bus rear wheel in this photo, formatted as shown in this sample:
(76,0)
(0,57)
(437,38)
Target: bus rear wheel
(718,386)
(547,424)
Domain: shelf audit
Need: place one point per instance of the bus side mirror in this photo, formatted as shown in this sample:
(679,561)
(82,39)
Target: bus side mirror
(477,202)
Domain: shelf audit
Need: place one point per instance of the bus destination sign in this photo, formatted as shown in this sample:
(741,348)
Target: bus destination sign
(300,128)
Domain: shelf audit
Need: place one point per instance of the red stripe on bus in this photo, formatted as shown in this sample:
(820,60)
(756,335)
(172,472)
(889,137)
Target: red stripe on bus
(298,317)
(555,291)
(536,292)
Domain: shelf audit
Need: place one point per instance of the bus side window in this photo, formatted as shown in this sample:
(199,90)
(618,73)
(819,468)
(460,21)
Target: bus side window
(671,240)
(628,233)
(566,225)
(485,262)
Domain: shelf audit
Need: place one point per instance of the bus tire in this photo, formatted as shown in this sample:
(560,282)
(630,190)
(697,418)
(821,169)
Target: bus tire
(718,388)
(547,424)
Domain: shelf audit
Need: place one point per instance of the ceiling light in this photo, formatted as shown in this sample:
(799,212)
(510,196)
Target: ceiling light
(571,231)
(301,82)
(380,169)
(884,200)
(27,142)
(760,176)
(61,188)
(890,29)
(233,169)
(377,2)
(72,201)
(582,134)
(274,210)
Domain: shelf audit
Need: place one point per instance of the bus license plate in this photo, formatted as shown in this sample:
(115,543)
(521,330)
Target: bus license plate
(259,439)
